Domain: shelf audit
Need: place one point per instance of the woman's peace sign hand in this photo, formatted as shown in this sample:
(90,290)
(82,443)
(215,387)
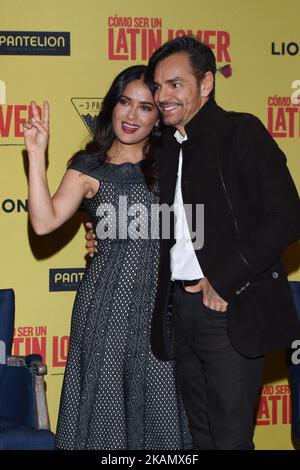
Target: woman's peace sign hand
(36,130)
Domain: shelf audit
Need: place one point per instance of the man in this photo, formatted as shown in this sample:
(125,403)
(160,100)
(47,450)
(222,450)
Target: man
(231,301)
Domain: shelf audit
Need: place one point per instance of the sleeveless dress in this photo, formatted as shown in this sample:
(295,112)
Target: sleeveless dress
(116,394)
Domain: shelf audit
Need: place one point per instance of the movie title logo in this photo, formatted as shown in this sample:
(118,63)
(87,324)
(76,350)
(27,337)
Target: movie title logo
(284,115)
(275,405)
(30,340)
(34,43)
(88,110)
(66,279)
(136,38)
(36,340)
(133,38)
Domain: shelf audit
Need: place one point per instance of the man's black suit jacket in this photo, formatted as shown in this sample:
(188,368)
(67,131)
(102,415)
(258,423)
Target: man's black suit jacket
(251,214)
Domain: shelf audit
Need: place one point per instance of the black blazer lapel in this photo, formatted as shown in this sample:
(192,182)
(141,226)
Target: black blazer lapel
(168,167)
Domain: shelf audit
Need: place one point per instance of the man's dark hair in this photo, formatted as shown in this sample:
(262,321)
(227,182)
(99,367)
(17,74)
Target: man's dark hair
(201,57)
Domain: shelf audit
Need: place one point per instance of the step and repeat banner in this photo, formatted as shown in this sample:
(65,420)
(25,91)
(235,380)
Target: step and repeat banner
(68,52)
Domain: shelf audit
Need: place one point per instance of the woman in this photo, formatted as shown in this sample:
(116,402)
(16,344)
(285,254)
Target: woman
(115,395)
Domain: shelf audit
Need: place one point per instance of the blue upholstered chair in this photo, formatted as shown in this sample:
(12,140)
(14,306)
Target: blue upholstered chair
(295,370)
(24,420)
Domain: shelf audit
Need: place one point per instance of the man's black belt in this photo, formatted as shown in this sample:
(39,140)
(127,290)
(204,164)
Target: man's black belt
(187,283)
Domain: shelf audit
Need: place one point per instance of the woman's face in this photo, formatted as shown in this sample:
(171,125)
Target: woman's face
(135,114)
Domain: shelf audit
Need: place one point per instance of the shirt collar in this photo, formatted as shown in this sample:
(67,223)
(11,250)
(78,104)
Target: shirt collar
(200,124)
(179,137)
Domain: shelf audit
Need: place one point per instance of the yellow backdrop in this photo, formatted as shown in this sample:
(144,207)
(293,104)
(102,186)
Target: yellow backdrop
(68,51)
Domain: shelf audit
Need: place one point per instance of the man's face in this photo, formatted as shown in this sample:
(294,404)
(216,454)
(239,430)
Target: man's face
(178,95)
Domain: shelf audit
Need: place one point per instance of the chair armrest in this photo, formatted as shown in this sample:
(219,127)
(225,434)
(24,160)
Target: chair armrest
(35,367)
(25,361)
(15,361)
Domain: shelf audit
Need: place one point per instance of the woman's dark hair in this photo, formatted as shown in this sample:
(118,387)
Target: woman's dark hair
(104,135)
(201,57)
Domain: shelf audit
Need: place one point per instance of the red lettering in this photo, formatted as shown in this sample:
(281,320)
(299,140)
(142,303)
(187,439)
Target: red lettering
(31,346)
(14,119)
(122,42)
(282,389)
(141,22)
(271,122)
(154,41)
(216,40)
(144,45)
(16,346)
(274,399)
(5,123)
(170,34)
(111,49)
(37,346)
(133,33)
(180,32)
(60,351)
(156,22)
(223,43)
(286,409)
(199,35)
(127,47)
(263,417)
(19,121)
(25,331)
(291,113)
(280,120)
(40,331)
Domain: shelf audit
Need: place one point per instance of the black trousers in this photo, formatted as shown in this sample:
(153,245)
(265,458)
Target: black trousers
(220,387)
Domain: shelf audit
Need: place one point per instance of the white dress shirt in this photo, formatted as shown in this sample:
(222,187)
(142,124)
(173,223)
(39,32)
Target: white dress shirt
(184,262)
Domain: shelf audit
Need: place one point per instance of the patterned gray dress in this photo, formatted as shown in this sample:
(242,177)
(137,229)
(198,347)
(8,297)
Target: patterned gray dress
(116,395)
